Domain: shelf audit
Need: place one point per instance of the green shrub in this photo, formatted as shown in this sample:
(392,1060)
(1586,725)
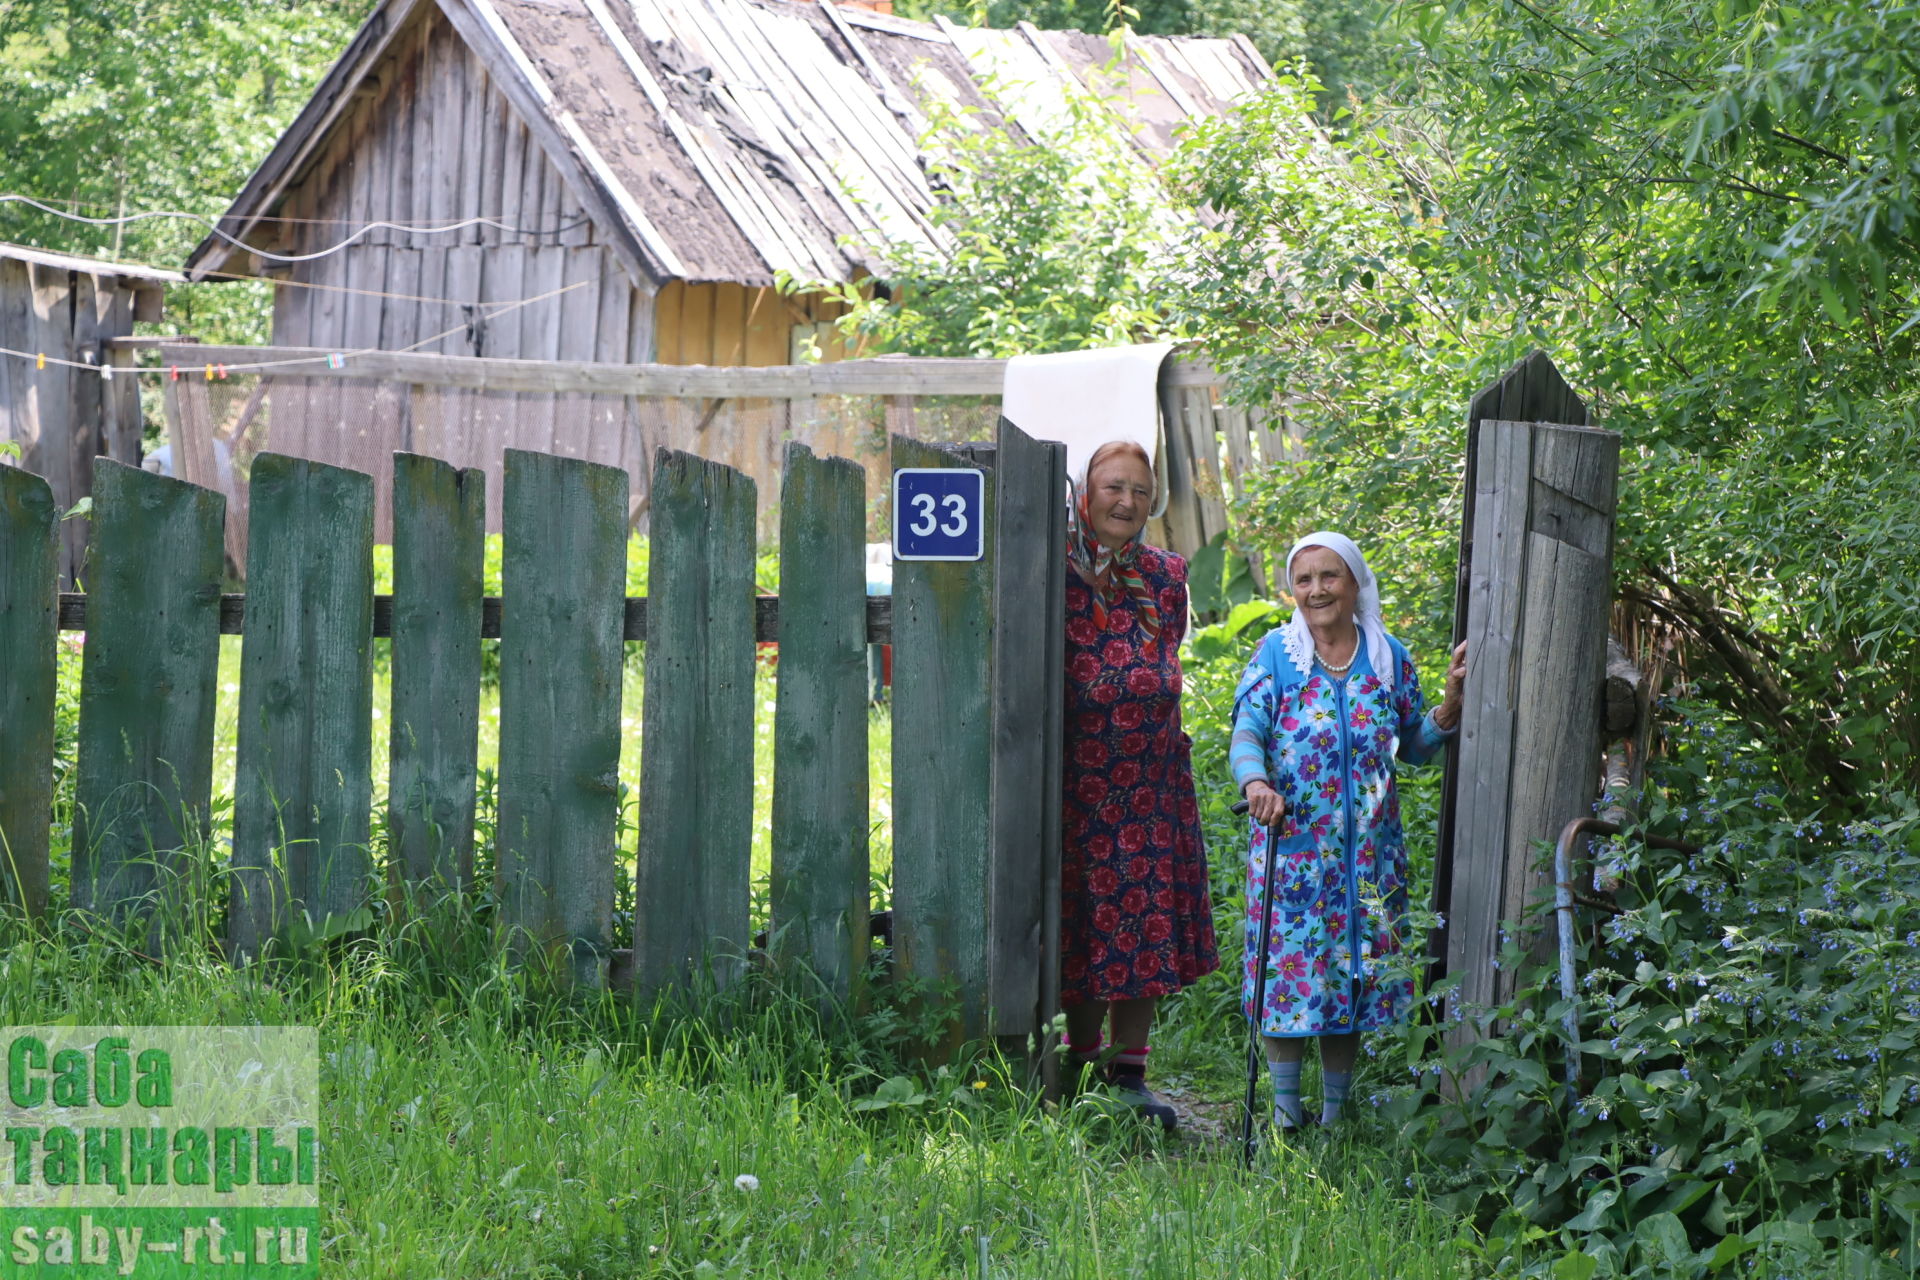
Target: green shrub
(1750,1081)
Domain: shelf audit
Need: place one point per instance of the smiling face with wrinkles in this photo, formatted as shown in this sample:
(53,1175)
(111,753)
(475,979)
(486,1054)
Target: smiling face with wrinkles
(1324,589)
(1120,495)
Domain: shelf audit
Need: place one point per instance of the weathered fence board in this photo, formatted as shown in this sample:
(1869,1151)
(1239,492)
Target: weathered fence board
(1029,610)
(1531,391)
(29,572)
(819,895)
(942,752)
(563,575)
(303,771)
(1531,726)
(439,550)
(147,694)
(696,772)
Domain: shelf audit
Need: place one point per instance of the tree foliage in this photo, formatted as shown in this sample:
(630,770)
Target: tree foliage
(1706,213)
(117,107)
(1053,245)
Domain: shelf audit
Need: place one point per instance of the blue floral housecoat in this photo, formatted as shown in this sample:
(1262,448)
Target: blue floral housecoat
(1328,747)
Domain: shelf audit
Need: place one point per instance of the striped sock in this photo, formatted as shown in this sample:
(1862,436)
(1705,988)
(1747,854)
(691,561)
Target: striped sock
(1130,1067)
(1333,1087)
(1287,1112)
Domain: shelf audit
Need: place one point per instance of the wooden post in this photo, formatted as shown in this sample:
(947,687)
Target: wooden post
(694,881)
(1530,751)
(819,874)
(942,771)
(1029,614)
(563,576)
(146,709)
(1531,391)
(303,776)
(29,571)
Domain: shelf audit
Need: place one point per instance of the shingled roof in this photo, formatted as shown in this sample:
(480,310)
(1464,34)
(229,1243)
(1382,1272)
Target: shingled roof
(727,140)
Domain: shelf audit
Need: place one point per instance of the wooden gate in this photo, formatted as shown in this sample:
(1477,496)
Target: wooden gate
(977,715)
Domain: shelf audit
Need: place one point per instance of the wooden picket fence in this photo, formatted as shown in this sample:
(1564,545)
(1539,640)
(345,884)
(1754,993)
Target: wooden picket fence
(976,705)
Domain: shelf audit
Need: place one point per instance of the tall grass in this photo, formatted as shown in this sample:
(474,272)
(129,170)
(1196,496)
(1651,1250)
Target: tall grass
(470,1129)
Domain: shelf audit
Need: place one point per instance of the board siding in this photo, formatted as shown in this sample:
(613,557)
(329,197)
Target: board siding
(439,532)
(29,582)
(942,774)
(693,878)
(819,884)
(303,770)
(563,582)
(1028,691)
(147,696)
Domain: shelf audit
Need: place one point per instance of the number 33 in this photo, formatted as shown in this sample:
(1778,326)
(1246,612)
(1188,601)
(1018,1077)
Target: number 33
(923,505)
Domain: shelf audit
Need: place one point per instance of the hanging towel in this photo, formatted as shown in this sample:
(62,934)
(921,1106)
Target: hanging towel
(1085,398)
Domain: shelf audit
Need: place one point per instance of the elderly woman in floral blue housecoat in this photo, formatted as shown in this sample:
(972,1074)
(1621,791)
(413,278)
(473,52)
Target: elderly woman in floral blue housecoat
(1328,703)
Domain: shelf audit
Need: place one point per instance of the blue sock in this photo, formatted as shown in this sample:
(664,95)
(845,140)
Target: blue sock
(1333,1087)
(1287,1112)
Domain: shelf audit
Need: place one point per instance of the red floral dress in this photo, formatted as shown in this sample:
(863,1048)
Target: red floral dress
(1137,919)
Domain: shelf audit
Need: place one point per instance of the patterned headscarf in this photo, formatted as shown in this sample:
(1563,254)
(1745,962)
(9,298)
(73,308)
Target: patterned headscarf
(1366,616)
(1095,558)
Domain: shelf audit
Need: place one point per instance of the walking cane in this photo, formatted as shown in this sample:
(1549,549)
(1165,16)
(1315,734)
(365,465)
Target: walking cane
(1254,1055)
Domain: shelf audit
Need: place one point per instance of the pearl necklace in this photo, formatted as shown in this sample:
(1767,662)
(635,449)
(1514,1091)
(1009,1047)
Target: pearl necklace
(1344,667)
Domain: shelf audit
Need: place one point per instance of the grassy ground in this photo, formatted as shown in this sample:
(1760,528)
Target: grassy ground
(470,1131)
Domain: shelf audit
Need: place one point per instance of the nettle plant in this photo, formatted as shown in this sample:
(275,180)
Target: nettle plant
(1751,1087)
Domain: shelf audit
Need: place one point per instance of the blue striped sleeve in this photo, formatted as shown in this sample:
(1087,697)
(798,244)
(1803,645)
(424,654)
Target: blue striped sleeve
(1420,738)
(1252,727)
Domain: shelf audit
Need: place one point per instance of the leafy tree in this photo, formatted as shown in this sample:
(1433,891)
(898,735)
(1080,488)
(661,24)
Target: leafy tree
(115,107)
(1707,214)
(1055,245)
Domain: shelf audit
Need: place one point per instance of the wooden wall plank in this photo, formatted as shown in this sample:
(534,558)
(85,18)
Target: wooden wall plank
(1531,391)
(29,573)
(439,546)
(563,581)
(51,404)
(303,777)
(942,772)
(668,305)
(147,694)
(696,325)
(819,885)
(696,770)
(1029,612)
(1496,645)
(729,324)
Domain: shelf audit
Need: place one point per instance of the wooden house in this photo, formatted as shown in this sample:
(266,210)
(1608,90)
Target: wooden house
(623,181)
(58,314)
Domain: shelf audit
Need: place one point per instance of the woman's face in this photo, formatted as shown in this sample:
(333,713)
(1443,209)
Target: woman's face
(1120,492)
(1324,588)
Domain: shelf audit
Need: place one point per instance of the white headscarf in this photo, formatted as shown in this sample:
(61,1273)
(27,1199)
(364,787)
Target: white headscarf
(1366,616)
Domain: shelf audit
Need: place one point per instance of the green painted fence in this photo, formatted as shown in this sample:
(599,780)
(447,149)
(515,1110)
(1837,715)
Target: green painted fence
(975,718)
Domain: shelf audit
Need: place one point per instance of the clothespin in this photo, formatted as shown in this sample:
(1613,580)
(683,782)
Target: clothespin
(222,371)
(173,373)
(209,373)
(41,363)
(336,361)
(106,373)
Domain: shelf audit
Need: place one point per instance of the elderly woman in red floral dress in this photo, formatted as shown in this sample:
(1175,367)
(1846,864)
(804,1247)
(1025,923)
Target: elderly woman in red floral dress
(1137,921)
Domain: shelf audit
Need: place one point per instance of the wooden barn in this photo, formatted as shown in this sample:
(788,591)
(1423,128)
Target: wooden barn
(60,410)
(623,181)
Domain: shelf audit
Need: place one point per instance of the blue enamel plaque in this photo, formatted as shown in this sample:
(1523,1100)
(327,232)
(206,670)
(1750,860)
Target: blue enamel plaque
(939,513)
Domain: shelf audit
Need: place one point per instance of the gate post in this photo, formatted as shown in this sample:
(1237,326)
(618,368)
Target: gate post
(1536,570)
(1029,709)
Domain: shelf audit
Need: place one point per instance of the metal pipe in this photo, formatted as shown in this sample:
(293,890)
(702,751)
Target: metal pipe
(1564,899)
